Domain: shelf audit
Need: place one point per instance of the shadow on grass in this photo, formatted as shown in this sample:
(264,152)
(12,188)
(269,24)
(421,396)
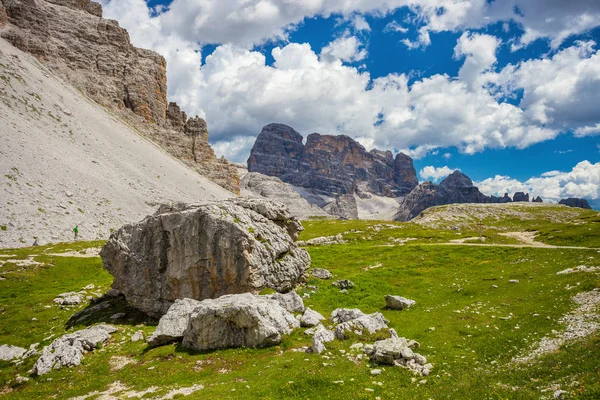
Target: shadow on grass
(102,310)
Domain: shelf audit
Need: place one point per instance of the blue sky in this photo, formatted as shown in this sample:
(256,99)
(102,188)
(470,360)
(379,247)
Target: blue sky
(506,91)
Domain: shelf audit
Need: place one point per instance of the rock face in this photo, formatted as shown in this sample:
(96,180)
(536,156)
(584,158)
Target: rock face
(537,200)
(205,251)
(575,202)
(520,196)
(240,320)
(96,56)
(343,206)
(456,188)
(330,165)
(255,184)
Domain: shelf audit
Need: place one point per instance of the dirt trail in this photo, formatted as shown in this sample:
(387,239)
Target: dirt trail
(527,240)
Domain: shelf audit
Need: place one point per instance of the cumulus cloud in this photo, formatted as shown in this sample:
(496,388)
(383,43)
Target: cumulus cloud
(479,51)
(582,181)
(561,92)
(435,173)
(238,93)
(349,49)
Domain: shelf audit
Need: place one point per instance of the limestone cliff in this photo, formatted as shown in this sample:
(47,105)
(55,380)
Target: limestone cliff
(96,56)
(330,165)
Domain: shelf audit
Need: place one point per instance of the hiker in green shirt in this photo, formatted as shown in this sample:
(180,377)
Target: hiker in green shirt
(76,231)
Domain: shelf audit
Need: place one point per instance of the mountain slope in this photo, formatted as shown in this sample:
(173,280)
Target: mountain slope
(66,161)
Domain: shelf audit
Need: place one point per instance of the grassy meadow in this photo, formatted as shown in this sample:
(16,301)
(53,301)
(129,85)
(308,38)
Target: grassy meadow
(469,319)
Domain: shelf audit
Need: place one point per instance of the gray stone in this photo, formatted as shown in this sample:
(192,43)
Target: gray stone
(118,316)
(291,301)
(238,320)
(173,324)
(375,372)
(137,336)
(9,353)
(68,299)
(340,315)
(68,350)
(397,351)
(321,273)
(320,337)
(310,318)
(343,284)
(368,323)
(398,302)
(205,251)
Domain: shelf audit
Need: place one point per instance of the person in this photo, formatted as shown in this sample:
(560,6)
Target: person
(76,231)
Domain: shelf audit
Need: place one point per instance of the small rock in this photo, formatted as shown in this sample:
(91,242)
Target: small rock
(375,372)
(344,291)
(21,379)
(343,284)
(340,315)
(398,302)
(514,281)
(91,286)
(321,273)
(138,336)
(494,286)
(118,316)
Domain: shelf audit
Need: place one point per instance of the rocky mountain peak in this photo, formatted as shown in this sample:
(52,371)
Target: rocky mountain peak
(330,165)
(456,180)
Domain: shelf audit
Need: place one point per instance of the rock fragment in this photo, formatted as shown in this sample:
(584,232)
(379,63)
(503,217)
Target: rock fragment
(398,302)
(310,318)
(321,273)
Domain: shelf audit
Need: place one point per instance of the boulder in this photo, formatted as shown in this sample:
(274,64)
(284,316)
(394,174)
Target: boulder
(370,323)
(398,302)
(68,350)
(9,353)
(291,301)
(340,315)
(204,251)
(321,273)
(173,324)
(310,318)
(238,320)
(538,199)
(137,336)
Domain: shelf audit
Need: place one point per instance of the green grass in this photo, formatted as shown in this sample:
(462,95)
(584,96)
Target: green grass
(471,346)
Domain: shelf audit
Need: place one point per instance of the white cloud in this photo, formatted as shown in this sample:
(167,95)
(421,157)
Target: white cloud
(435,173)
(360,24)
(394,26)
(348,49)
(479,51)
(561,92)
(582,181)
(238,93)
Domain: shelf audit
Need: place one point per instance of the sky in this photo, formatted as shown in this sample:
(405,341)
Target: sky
(507,91)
